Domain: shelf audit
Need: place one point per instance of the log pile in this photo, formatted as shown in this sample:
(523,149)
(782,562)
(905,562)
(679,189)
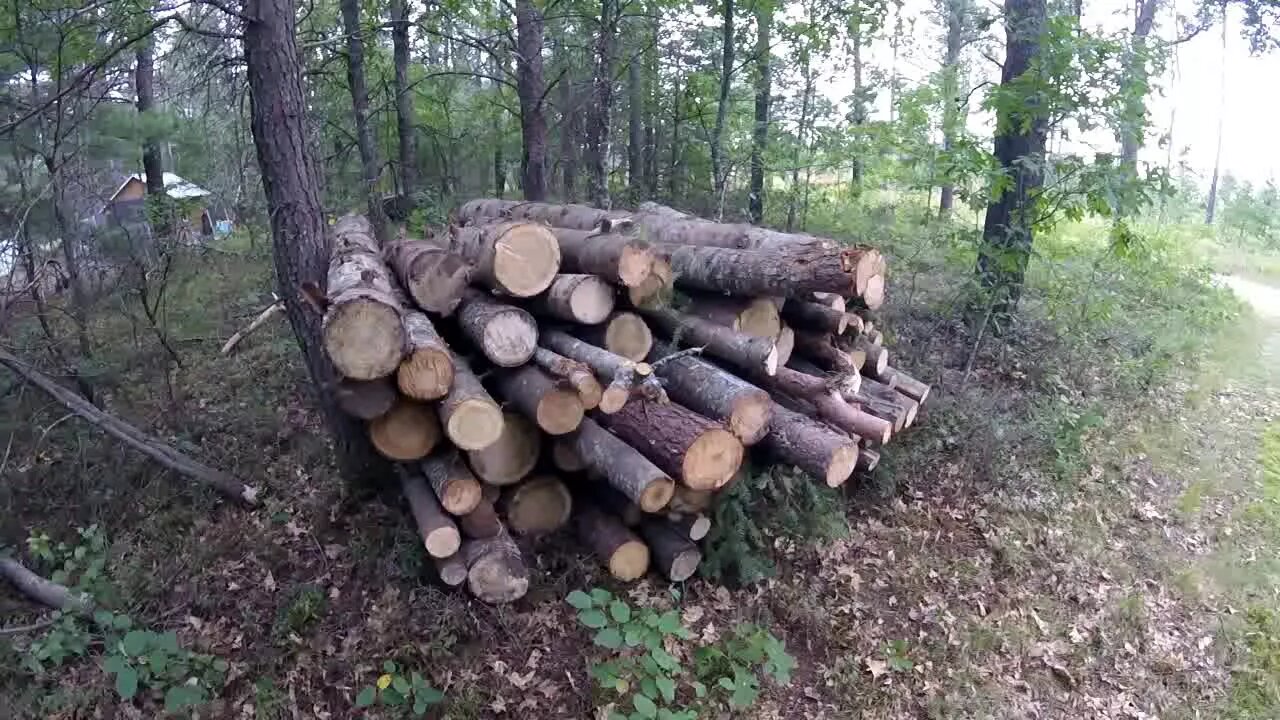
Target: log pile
(538,367)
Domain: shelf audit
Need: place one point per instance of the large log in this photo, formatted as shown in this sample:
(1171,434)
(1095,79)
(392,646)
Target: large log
(539,505)
(439,535)
(512,456)
(577,374)
(564,457)
(426,372)
(625,334)
(750,273)
(819,350)
(618,258)
(433,276)
(531,391)
(674,554)
(471,418)
(505,334)
(626,555)
(517,258)
(707,389)
(815,317)
(719,341)
(496,572)
(408,431)
(363,335)
(811,446)
(455,486)
(684,444)
(624,375)
(580,217)
(622,467)
(664,224)
(757,317)
(585,299)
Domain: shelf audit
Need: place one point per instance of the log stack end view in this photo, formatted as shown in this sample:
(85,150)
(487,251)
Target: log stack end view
(537,367)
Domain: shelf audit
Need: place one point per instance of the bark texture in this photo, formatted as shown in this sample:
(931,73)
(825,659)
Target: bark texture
(626,555)
(363,334)
(719,341)
(506,334)
(811,446)
(517,258)
(471,419)
(684,444)
(624,468)
(554,409)
(697,384)
(434,277)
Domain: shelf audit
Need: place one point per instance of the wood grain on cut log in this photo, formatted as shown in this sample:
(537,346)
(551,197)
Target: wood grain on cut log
(439,534)
(505,334)
(868,459)
(673,552)
(512,456)
(749,273)
(471,418)
(618,258)
(517,258)
(433,276)
(757,317)
(540,504)
(846,384)
(885,408)
(537,396)
(408,431)
(577,374)
(426,372)
(626,555)
(623,467)
(452,570)
(365,399)
(719,341)
(786,344)
(585,299)
(655,289)
(811,446)
(363,335)
(872,297)
(496,572)
(455,486)
(624,334)
(877,356)
(699,452)
(815,317)
(482,522)
(907,385)
(581,217)
(716,393)
(693,526)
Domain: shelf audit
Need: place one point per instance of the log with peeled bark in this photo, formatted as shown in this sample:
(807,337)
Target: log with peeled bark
(868,459)
(539,505)
(674,553)
(626,555)
(757,317)
(471,418)
(750,273)
(786,344)
(426,372)
(719,341)
(584,299)
(577,374)
(455,486)
(482,522)
(907,385)
(814,317)
(618,258)
(693,526)
(365,399)
(625,334)
(439,534)
(819,350)
(363,334)
(517,258)
(716,393)
(510,457)
(408,431)
(580,217)
(452,570)
(505,333)
(655,289)
(624,376)
(536,395)
(811,446)
(623,467)
(433,276)
(496,572)
(699,452)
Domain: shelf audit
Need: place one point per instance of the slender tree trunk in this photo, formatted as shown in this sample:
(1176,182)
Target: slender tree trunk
(673,173)
(1136,74)
(1211,205)
(635,124)
(951,115)
(793,197)
(144,82)
(370,165)
(404,102)
(601,101)
(1019,147)
(760,131)
(718,170)
(278,114)
(859,92)
(568,139)
(530,86)
(652,85)
(499,162)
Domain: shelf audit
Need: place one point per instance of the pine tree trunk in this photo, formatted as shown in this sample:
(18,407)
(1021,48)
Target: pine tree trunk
(635,124)
(719,171)
(598,122)
(404,104)
(152,164)
(952,118)
(760,130)
(530,87)
(371,166)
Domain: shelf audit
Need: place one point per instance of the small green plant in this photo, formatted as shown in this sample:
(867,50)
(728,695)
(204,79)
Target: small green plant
(306,605)
(1255,680)
(895,655)
(395,690)
(657,683)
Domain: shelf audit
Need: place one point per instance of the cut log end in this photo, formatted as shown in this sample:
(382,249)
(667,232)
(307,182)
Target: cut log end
(759,318)
(494,579)
(712,459)
(630,561)
(526,259)
(408,431)
(509,340)
(613,399)
(475,424)
(426,374)
(840,466)
(364,339)
(684,564)
(452,570)
(771,361)
(656,494)
(699,527)
(512,455)
(750,418)
(785,344)
(539,505)
(442,542)
(628,335)
(591,302)
(873,296)
(634,265)
(559,412)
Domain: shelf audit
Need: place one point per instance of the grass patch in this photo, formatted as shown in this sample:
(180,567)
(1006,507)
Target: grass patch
(1255,681)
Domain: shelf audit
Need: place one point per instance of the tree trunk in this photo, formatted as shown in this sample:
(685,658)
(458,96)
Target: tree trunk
(505,334)
(707,389)
(517,258)
(622,467)
(530,86)
(626,556)
(439,533)
(471,419)
(1136,74)
(455,487)
(802,135)
(568,139)
(585,299)
(635,123)
(537,506)
(482,522)
(426,373)
(371,166)
(719,172)
(684,444)
(620,371)
(1019,148)
(451,570)
(46,592)
(365,399)
(512,456)
(536,395)
(152,165)
(719,341)
(496,572)
(618,258)
(674,554)
(1211,204)
(952,117)
(757,317)
(363,334)
(760,130)
(408,431)
(598,122)
(805,315)
(404,104)
(811,446)
(434,277)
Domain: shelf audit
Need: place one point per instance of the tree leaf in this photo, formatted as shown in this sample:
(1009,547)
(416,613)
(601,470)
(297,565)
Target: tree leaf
(389,666)
(127,682)
(600,597)
(401,685)
(644,705)
(430,695)
(579,600)
(366,697)
(594,619)
(667,687)
(609,638)
(620,611)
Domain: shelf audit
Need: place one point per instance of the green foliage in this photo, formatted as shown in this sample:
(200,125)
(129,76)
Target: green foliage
(1255,679)
(305,606)
(644,669)
(143,661)
(406,695)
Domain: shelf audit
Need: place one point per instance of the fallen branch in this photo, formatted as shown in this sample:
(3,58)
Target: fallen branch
(151,446)
(46,592)
(274,309)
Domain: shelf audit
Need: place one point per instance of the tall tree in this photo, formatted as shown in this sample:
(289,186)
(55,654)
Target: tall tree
(952,122)
(1021,127)
(569,124)
(635,120)
(278,112)
(370,165)
(1211,205)
(760,128)
(719,171)
(144,86)
(404,102)
(598,120)
(531,87)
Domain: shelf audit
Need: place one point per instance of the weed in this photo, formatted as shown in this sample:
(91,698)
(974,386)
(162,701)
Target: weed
(1255,686)
(306,605)
(393,690)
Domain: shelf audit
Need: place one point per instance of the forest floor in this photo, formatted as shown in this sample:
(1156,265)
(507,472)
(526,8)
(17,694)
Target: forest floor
(1137,581)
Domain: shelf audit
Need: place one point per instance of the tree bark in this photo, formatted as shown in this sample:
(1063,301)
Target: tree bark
(426,373)
(455,487)
(809,445)
(757,317)
(578,375)
(152,165)
(907,385)
(471,419)
(365,399)
(805,315)
(482,522)
(439,534)
(507,335)
(1211,204)
(705,388)
(760,129)
(624,375)
(719,173)
(568,139)
(434,277)
(622,467)
(371,166)
(496,572)
(952,118)
(555,410)
(761,273)
(517,258)
(363,333)
(1133,119)
(618,258)
(578,298)
(530,87)
(568,215)
(626,556)
(451,570)
(719,341)
(684,444)
(512,456)
(635,122)
(674,554)
(537,506)
(404,103)
(46,592)
(598,122)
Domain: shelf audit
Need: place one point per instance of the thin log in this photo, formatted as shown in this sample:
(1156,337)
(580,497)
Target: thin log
(577,374)
(868,459)
(757,317)
(496,572)
(811,446)
(674,554)
(618,258)
(482,522)
(434,277)
(272,310)
(408,431)
(626,555)
(451,570)
(517,258)
(625,334)
(827,403)
(507,335)
(471,419)
(365,399)
(693,526)
(565,458)
(439,534)
(741,350)
(46,592)
(455,486)
(363,335)
(686,445)
(581,217)
(623,467)
(686,501)
(585,299)
(148,445)
(814,317)
(707,389)
(877,356)
(531,391)
(426,372)
(625,376)
(512,456)
(537,506)
(907,385)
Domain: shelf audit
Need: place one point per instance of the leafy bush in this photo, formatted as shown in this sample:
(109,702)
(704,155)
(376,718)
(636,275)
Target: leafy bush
(396,691)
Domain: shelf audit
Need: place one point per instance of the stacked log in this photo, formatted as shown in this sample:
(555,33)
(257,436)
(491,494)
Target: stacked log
(648,352)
